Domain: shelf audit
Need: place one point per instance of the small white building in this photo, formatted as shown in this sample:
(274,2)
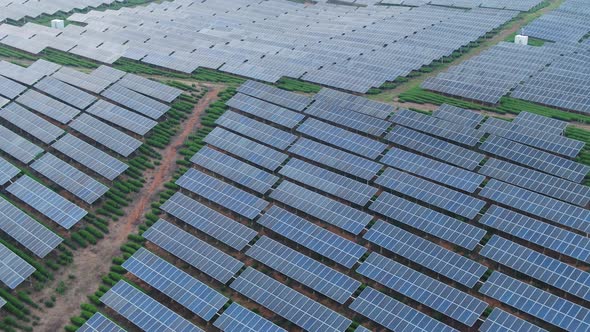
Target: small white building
(57,24)
(521,40)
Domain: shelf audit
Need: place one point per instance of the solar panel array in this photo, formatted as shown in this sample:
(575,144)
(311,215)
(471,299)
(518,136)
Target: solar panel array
(237,319)
(256,130)
(99,323)
(17,146)
(106,135)
(135,101)
(30,123)
(121,117)
(7,171)
(2,302)
(458,115)
(48,106)
(13,269)
(150,88)
(65,92)
(17,10)
(500,320)
(265,110)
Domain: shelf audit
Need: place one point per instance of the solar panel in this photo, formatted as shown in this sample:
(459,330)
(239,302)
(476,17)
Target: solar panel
(91,157)
(194,295)
(2,302)
(327,181)
(47,202)
(135,101)
(81,80)
(13,269)
(424,289)
(286,302)
(108,73)
(274,95)
(337,159)
(537,181)
(536,265)
(541,123)
(436,258)
(437,127)
(65,92)
(18,147)
(427,220)
(265,110)
(219,192)
(351,119)
(7,171)
(355,103)
(321,207)
(99,323)
(435,147)
(239,319)
(150,88)
(20,74)
(458,115)
(249,150)
(48,106)
(538,303)
(342,138)
(106,135)
(431,193)
(500,320)
(303,269)
(26,230)
(537,204)
(433,170)
(190,249)
(540,233)
(121,117)
(313,237)
(537,159)
(209,221)
(393,314)
(10,89)
(70,178)
(143,311)
(27,121)
(256,130)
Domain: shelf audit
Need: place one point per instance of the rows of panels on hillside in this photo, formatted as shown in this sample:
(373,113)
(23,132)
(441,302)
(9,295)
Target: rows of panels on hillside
(30,123)
(13,269)
(352,102)
(541,123)
(424,289)
(105,135)
(7,171)
(100,323)
(458,115)
(500,320)
(226,195)
(81,80)
(10,89)
(20,74)
(121,117)
(541,267)
(18,147)
(288,303)
(313,237)
(70,178)
(303,269)
(209,221)
(351,119)
(321,207)
(273,95)
(27,231)
(65,92)
(194,251)
(199,298)
(150,88)
(143,311)
(237,319)
(91,157)
(48,106)
(256,130)
(538,232)
(135,101)
(47,202)
(265,110)
(536,302)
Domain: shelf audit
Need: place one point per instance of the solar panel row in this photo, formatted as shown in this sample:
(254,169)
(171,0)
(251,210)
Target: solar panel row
(237,319)
(13,269)
(256,130)
(99,323)
(500,320)
(265,110)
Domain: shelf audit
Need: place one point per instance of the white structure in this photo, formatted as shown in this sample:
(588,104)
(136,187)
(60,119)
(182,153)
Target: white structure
(521,40)
(57,24)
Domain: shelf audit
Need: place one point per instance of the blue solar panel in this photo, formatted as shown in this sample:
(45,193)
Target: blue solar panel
(303,269)
(355,103)
(99,323)
(313,237)
(321,207)
(538,303)
(65,92)
(265,110)
(350,119)
(436,258)
(239,319)
(333,183)
(143,311)
(431,193)
(235,170)
(192,250)
(136,101)
(458,115)
(427,220)
(13,269)
(337,159)
(224,194)
(275,95)
(288,303)
(342,138)
(538,232)
(244,148)
(433,170)
(7,171)
(209,221)
(2,302)
(435,147)
(395,315)
(199,298)
(500,320)
(537,204)
(256,130)
(541,267)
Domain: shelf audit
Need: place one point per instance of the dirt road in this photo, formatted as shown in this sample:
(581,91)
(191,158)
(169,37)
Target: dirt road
(91,263)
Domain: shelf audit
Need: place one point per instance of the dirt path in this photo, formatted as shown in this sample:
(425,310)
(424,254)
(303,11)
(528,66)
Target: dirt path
(83,276)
